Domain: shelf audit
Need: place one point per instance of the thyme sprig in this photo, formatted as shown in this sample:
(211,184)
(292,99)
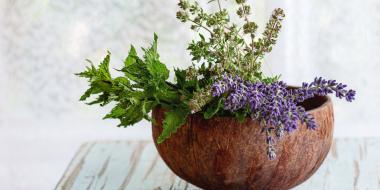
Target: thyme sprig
(227,50)
(230,47)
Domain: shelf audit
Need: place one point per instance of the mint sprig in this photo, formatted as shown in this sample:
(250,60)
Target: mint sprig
(143,87)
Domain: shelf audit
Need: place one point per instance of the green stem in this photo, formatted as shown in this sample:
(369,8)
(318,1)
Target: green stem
(269,37)
(220,7)
(200,25)
(172,85)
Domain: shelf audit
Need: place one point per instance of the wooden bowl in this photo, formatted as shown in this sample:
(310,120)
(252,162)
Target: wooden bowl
(221,153)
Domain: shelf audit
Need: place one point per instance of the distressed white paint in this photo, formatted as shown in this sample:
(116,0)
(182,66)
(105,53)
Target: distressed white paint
(352,164)
(120,165)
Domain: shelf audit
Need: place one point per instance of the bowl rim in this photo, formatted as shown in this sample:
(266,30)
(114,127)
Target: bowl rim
(326,101)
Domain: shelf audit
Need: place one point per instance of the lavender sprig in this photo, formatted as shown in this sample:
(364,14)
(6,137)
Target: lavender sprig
(322,87)
(274,105)
(271,151)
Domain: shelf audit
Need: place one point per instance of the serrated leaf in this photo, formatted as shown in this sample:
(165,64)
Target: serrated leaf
(137,71)
(241,115)
(157,69)
(117,112)
(131,57)
(103,71)
(155,39)
(146,108)
(180,77)
(100,81)
(89,72)
(133,114)
(102,99)
(173,120)
(87,94)
(121,81)
(213,109)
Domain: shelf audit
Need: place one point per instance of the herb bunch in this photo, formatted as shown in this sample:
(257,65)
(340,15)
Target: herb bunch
(230,48)
(225,78)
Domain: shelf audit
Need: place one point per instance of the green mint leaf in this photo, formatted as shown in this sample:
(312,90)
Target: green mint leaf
(173,120)
(117,112)
(100,81)
(180,77)
(132,115)
(213,109)
(121,82)
(241,115)
(157,69)
(131,56)
(137,72)
(103,71)
(102,99)
(87,94)
(147,107)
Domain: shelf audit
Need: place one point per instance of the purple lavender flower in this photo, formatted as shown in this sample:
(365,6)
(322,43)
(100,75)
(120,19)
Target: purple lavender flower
(274,105)
(322,87)
(255,95)
(306,118)
(271,153)
(280,131)
(236,100)
(350,95)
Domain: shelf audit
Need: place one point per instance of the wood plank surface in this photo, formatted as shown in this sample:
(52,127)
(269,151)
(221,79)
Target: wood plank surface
(118,165)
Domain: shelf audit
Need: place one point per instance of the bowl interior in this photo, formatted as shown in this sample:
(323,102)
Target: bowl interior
(313,103)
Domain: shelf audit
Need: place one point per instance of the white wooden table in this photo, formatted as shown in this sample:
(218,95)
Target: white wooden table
(351,164)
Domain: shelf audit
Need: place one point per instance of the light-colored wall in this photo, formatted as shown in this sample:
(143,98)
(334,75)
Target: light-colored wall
(42,43)
(339,40)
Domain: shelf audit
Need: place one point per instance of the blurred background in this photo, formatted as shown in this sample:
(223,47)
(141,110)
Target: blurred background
(43,43)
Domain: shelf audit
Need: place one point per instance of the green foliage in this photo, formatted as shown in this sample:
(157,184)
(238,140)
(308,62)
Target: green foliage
(241,115)
(173,120)
(156,69)
(226,50)
(135,94)
(222,47)
(213,108)
(100,82)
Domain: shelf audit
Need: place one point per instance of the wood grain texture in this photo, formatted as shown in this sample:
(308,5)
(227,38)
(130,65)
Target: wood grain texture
(352,164)
(119,165)
(222,153)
